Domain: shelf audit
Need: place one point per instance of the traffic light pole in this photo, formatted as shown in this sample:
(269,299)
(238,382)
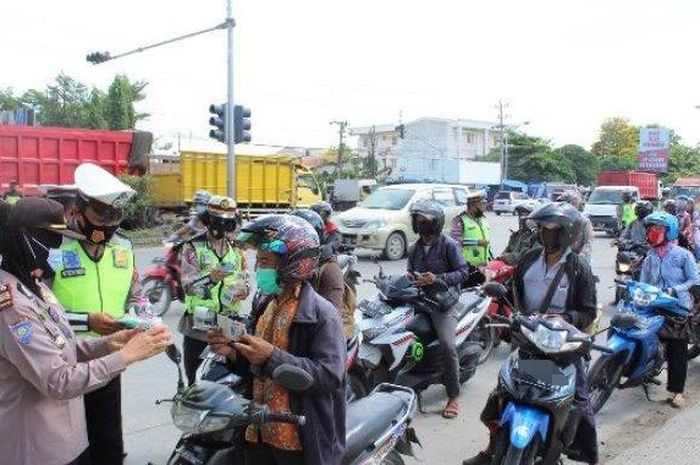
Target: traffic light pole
(230,139)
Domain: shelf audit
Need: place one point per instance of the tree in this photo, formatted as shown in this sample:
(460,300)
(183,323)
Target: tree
(584,164)
(65,103)
(96,110)
(119,108)
(617,144)
(8,101)
(531,159)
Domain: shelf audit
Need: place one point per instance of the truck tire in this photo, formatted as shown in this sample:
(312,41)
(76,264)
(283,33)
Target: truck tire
(395,247)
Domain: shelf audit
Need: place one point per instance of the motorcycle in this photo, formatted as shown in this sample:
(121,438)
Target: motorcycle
(636,352)
(161,284)
(628,264)
(498,271)
(536,387)
(399,343)
(214,418)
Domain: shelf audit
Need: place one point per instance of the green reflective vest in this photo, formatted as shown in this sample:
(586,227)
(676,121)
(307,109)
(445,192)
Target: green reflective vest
(473,231)
(84,285)
(221,299)
(12,198)
(628,215)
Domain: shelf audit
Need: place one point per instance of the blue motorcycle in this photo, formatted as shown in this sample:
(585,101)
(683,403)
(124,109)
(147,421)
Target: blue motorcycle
(538,417)
(633,338)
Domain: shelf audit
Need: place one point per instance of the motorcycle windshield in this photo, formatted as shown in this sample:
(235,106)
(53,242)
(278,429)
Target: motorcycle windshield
(646,296)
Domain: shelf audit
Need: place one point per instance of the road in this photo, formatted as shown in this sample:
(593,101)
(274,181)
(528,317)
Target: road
(150,435)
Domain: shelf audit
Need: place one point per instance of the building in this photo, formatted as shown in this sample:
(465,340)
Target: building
(426,141)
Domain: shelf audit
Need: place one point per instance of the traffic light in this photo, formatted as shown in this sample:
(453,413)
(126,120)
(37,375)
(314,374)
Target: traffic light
(97,57)
(400,129)
(241,123)
(218,120)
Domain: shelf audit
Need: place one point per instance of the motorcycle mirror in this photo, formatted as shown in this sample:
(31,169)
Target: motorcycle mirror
(623,321)
(495,290)
(292,377)
(174,354)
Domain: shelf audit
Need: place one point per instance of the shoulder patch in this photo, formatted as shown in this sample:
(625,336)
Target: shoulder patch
(23,331)
(6,300)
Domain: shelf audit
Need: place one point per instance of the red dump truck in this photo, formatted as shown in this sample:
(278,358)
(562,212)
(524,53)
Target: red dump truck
(35,155)
(647,183)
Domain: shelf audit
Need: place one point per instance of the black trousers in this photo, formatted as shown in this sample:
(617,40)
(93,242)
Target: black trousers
(677,360)
(263,454)
(192,348)
(103,412)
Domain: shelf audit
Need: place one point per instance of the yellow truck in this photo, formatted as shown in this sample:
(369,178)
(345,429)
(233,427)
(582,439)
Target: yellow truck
(264,183)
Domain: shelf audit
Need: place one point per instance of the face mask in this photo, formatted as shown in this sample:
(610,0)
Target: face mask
(199,209)
(217,233)
(522,223)
(267,281)
(656,237)
(98,234)
(424,229)
(551,239)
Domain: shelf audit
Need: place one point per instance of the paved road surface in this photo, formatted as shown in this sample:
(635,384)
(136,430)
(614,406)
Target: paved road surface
(150,435)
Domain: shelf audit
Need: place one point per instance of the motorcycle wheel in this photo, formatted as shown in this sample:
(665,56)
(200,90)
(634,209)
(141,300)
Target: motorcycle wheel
(603,379)
(158,293)
(515,456)
(486,338)
(393,459)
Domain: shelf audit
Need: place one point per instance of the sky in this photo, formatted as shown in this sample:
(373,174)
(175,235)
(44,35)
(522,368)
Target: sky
(564,66)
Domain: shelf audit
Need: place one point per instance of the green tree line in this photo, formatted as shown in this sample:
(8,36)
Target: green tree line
(67,102)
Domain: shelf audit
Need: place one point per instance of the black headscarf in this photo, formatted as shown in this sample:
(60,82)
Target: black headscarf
(28,230)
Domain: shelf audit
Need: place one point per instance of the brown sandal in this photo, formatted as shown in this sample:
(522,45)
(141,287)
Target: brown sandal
(450,412)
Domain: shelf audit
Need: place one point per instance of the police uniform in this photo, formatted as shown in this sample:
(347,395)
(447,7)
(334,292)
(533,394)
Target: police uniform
(107,283)
(44,371)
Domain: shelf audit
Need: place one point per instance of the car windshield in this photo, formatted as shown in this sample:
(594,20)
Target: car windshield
(388,199)
(606,196)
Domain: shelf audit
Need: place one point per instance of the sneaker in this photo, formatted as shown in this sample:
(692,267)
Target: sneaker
(679,401)
(482,458)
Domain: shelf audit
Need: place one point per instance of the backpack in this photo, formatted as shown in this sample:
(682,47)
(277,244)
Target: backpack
(347,311)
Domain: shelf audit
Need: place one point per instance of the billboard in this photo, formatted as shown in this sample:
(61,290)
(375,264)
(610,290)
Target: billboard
(653,149)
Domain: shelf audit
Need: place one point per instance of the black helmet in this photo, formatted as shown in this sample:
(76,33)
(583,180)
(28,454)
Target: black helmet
(432,211)
(524,208)
(561,214)
(643,209)
(222,215)
(669,206)
(289,236)
(312,217)
(627,197)
(323,209)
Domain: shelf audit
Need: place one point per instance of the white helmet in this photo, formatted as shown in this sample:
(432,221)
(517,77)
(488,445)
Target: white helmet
(95,183)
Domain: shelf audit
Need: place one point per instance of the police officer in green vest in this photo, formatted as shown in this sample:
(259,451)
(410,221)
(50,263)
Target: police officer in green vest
(96,281)
(627,215)
(213,276)
(472,231)
(13,194)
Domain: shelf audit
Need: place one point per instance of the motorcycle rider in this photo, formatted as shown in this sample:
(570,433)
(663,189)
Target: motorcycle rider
(293,325)
(198,217)
(523,239)
(96,281)
(332,238)
(685,223)
(626,210)
(329,281)
(636,232)
(213,277)
(436,256)
(554,267)
(471,230)
(583,242)
(673,269)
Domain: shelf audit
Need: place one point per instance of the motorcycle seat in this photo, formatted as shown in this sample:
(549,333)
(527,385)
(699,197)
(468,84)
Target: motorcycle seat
(367,418)
(420,325)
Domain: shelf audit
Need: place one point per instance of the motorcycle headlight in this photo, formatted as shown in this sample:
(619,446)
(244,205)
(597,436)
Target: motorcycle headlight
(193,420)
(376,224)
(642,298)
(550,340)
(623,267)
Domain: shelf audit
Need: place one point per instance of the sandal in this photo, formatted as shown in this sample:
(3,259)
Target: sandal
(451,411)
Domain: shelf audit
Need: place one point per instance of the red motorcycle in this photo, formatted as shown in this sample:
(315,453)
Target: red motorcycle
(499,272)
(161,284)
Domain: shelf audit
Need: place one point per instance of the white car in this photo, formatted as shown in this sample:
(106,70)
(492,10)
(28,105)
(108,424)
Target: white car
(505,201)
(382,221)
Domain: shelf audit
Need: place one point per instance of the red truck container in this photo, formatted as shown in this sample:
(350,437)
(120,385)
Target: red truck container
(647,183)
(36,155)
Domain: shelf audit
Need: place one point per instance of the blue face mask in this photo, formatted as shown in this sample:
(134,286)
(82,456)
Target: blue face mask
(267,280)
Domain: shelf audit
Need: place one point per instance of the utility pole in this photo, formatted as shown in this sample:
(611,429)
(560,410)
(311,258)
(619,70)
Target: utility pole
(342,125)
(503,139)
(230,139)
